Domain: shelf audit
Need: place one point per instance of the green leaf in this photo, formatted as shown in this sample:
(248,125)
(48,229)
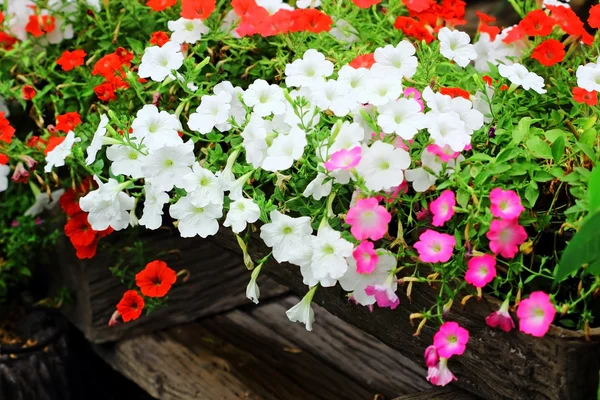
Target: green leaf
(480,157)
(539,148)
(508,154)
(594,190)
(462,198)
(532,193)
(558,148)
(583,249)
(588,151)
(522,130)
(589,137)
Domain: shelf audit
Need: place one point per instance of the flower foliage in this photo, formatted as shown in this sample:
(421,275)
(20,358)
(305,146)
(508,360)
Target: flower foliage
(373,144)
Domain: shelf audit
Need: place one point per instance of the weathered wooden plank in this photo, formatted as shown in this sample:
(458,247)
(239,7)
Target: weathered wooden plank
(561,366)
(370,362)
(237,355)
(446,393)
(217,283)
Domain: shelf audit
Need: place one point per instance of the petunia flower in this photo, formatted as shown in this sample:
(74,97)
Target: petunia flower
(287,236)
(366,257)
(156,279)
(382,166)
(501,318)
(403,117)
(96,143)
(318,187)
(356,282)
(520,76)
(187,30)
(153,207)
(549,52)
(126,160)
(396,61)
(385,293)
(536,314)
(56,157)
(368,219)
(159,62)
(481,270)
(156,129)
(506,204)
(131,305)
(434,246)
(432,358)
(455,46)
(581,95)
(166,167)
(344,159)
(439,374)
(308,71)
(160,5)
(212,111)
(442,208)
(588,76)
(264,99)
(451,339)
(79,231)
(284,150)
(303,312)
(196,219)
(506,235)
(108,206)
(202,185)
(241,212)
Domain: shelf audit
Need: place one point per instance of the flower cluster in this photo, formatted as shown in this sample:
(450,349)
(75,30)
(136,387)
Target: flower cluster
(427,157)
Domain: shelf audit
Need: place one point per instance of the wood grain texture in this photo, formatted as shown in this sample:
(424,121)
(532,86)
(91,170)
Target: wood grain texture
(217,283)
(445,393)
(253,354)
(561,366)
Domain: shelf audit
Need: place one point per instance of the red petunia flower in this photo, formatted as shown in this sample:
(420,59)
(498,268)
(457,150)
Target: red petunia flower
(413,28)
(365,3)
(160,5)
(40,24)
(79,230)
(1,17)
(131,305)
(363,61)
(159,38)
(594,18)
(71,59)
(193,9)
(69,202)
(3,159)
(89,251)
(549,52)
(35,142)
(156,279)
(105,91)
(455,92)
(29,92)
(537,23)
(583,96)
(244,8)
(312,20)
(20,175)
(110,67)
(484,18)
(6,41)
(6,130)
(52,143)
(417,5)
(67,122)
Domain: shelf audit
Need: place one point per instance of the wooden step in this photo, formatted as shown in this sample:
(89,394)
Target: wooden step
(257,353)
(445,393)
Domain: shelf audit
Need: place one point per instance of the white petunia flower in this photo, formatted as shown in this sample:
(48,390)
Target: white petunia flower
(309,71)
(272,6)
(358,79)
(284,150)
(356,283)
(108,206)
(456,46)
(344,135)
(202,186)
(237,111)
(194,220)
(264,99)
(241,212)
(56,157)
(335,96)
(230,21)
(318,188)
(4,173)
(308,3)
(381,90)
(520,76)
(153,207)
(303,312)
(156,129)
(252,290)
(96,144)
(126,160)
(403,117)
(287,236)
(309,115)
(159,62)
(588,76)
(187,30)
(381,166)
(482,104)
(329,253)
(448,129)
(343,31)
(166,167)
(395,62)
(44,202)
(493,51)
(4,108)
(255,140)
(212,111)
(421,180)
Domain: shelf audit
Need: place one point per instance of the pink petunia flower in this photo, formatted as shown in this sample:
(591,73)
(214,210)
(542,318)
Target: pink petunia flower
(506,204)
(393,193)
(411,91)
(445,153)
(366,257)
(536,314)
(442,208)
(451,339)
(368,220)
(384,294)
(432,358)
(501,318)
(506,235)
(434,246)
(440,375)
(481,270)
(344,159)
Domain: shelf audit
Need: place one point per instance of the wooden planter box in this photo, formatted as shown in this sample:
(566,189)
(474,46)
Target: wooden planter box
(563,365)
(217,282)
